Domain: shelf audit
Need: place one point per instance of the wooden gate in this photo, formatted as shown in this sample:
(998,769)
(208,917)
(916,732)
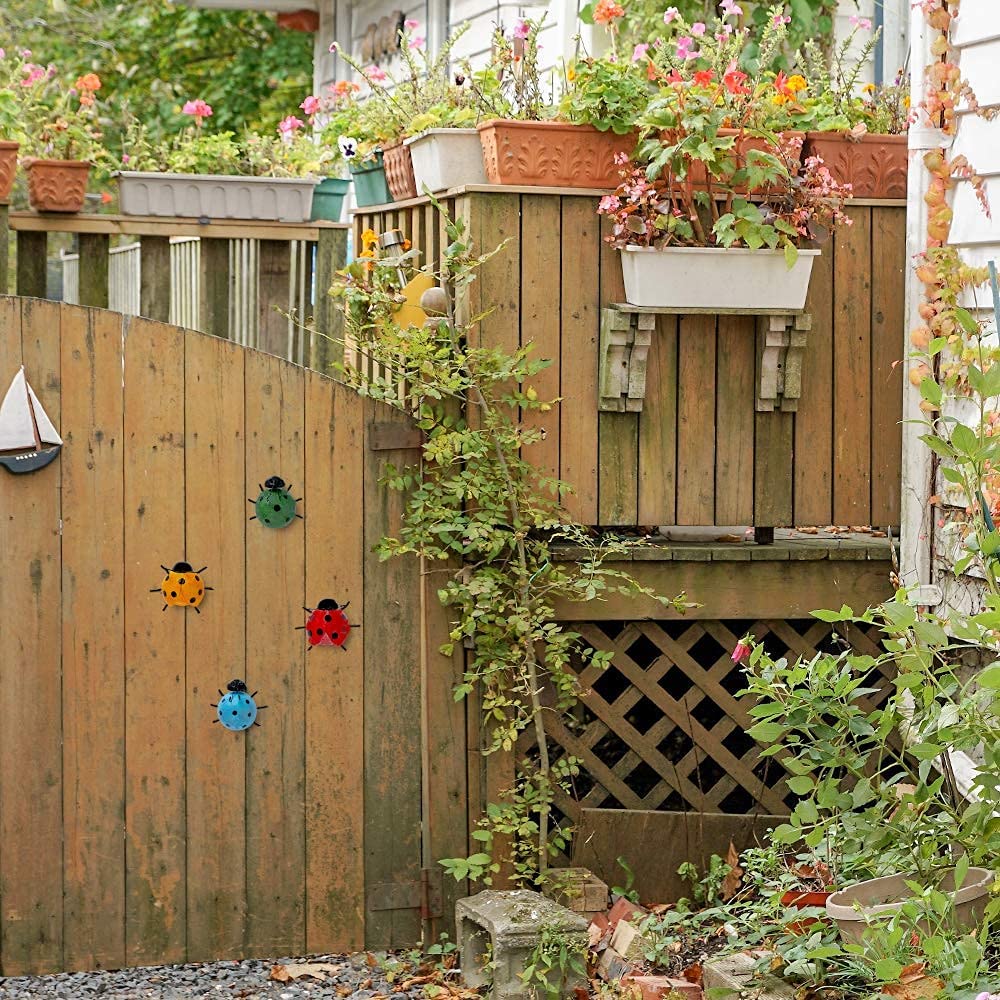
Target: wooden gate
(132,829)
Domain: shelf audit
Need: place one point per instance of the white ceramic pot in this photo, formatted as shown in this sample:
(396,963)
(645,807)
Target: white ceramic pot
(715,278)
(214,196)
(445,158)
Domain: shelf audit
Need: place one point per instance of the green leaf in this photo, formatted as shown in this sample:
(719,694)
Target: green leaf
(931,391)
(990,677)
(801,784)
(966,320)
(888,970)
(766,732)
(791,255)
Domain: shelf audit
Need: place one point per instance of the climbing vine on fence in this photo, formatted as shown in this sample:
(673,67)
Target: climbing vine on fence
(486,521)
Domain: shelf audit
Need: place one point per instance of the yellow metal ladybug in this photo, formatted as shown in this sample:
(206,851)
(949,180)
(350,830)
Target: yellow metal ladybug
(182,587)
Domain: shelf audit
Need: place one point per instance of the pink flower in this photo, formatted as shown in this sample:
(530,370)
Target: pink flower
(375,74)
(290,125)
(410,25)
(417,42)
(742,651)
(3,54)
(25,53)
(334,46)
(310,105)
(198,109)
(522,29)
(724,33)
(686,49)
(861,22)
(778,20)
(698,29)
(671,14)
(609,203)
(730,8)
(125,157)
(639,52)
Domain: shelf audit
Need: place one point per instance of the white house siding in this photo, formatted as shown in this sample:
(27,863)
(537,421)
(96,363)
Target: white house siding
(926,551)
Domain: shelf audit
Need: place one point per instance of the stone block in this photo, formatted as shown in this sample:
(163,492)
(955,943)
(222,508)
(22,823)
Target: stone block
(502,929)
(612,967)
(624,910)
(628,941)
(739,973)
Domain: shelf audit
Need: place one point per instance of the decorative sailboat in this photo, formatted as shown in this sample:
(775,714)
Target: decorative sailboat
(28,441)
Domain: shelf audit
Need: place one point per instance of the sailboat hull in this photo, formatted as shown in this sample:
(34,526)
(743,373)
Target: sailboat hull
(30,461)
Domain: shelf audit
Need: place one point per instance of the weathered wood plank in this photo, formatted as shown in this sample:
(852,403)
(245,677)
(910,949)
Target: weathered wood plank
(852,386)
(93,640)
(94,264)
(275,568)
(888,351)
(814,418)
(215,536)
(154,278)
(658,429)
(580,321)
(735,414)
(275,269)
(391,706)
(772,477)
(327,343)
(334,718)
(540,303)
(31,794)
(215,286)
(154,490)
(696,427)
(4,249)
(32,264)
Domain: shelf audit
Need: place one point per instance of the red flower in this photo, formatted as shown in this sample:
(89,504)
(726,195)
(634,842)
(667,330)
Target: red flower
(734,80)
(742,651)
(704,77)
(607,11)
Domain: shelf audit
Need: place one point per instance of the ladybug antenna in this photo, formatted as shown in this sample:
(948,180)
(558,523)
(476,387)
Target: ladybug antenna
(345,605)
(202,570)
(181,567)
(164,607)
(166,569)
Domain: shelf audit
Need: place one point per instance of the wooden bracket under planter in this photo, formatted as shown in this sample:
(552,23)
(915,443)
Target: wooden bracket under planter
(780,342)
(626,338)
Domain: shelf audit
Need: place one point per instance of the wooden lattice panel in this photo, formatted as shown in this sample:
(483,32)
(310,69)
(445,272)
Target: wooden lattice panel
(664,727)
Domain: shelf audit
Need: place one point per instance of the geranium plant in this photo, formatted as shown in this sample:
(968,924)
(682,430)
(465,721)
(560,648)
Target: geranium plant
(61,122)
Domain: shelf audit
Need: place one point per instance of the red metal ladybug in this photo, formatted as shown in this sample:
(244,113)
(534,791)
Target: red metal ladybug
(327,625)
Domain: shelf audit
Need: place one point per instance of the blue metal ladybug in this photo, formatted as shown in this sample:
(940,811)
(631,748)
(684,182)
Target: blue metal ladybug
(237,710)
(275,506)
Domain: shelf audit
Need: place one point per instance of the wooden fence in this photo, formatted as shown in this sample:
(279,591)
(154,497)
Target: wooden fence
(132,829)
(698,453)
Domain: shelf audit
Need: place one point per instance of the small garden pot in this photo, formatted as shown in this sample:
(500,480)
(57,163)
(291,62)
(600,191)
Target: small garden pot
(849,907)
(215,196)
(399,171)
(370,186)
(446,158)
(57,185)
(328,198)
(8,167)
(803,900)
(552,154)
(716,278)
(876,166)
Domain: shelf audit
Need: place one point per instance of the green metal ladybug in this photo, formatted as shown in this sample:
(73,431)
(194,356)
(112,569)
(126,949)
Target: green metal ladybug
(275,506)
(237,710)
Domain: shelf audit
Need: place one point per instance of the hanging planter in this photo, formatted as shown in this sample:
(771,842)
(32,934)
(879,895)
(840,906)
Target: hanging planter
(8,168)
(57,185)
(328,198)
(370,185)
(716,278)
(215,196)
(551,154)
(399,171)
(876,166)
(445,158)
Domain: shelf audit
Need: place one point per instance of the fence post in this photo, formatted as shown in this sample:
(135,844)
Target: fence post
(154,277)
(94,263)
(4,248)
(32,264)
(327,340)
(274,265)
(215,281)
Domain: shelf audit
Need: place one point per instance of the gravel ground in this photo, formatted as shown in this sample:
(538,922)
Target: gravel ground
(249,980)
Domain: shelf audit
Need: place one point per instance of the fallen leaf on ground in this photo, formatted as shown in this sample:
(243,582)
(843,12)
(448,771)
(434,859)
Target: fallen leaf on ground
(920,988)
(808,531)
(731,883)
(313,970)
(735,539)
(693,973)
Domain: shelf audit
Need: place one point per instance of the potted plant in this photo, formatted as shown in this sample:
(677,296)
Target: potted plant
(201,174)
(62,136)
(859,132)
(12,75)
(335,181)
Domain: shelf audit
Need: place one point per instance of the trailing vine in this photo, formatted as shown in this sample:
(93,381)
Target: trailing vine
(489,523)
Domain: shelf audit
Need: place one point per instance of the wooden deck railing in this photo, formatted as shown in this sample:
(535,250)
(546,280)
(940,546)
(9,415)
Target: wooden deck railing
(253,282)
(701,451)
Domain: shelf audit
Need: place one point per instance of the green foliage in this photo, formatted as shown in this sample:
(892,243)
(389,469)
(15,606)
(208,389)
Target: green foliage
(155,54)
(557,956)
(608,95)
(627,891)
(486,522)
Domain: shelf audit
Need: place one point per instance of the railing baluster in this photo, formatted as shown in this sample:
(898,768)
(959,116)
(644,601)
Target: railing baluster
(4,249)
(94,264)
(154,278)
(32,264)
(328,345)
(214,277)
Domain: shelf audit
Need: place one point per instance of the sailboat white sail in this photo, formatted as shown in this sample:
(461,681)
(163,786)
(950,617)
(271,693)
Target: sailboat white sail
(28,439)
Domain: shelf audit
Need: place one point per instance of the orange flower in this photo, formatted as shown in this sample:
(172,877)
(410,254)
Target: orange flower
(105,198)
(704,77)
(89,82)
(607,11)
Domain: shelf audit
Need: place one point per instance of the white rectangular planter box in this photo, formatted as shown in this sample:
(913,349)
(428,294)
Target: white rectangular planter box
(715,278)
(215,196)
(445,158)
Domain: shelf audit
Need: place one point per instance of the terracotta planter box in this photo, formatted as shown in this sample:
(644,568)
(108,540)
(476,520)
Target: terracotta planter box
(399,171)
(8,168)
(57,185)
(215,196)
(876,166)
(551,154)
